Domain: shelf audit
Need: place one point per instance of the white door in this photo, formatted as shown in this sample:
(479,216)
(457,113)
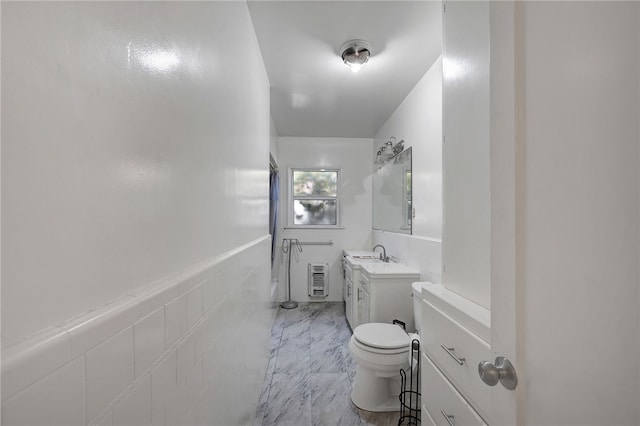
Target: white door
(564,266)
(505,184)
(562,107)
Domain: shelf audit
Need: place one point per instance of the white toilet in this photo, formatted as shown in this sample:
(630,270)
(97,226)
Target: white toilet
(380,351)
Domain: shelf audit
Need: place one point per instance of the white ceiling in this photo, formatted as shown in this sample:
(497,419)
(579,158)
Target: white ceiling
(312,92)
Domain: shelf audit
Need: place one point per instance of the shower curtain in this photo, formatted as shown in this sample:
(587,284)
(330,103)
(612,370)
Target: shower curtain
(274,187)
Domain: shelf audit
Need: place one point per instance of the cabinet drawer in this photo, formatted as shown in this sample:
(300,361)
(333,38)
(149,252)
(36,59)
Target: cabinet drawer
(442,402)
(444,340)
(425,417)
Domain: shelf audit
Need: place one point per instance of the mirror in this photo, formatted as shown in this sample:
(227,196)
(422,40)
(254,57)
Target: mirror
(392,209)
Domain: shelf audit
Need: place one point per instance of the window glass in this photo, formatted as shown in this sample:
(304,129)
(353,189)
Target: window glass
(315,212)
(314,197)
(311,183)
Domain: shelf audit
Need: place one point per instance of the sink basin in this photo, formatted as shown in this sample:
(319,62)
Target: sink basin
(380,269)
(360,253)
(368,260)
(357,262)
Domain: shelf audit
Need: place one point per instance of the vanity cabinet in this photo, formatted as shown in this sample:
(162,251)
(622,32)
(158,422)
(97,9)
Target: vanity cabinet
(363,301)
(351,288)
(384,293)
(348,293)
(454,340)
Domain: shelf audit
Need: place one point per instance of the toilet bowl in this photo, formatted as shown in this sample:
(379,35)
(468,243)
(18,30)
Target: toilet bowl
(380,351)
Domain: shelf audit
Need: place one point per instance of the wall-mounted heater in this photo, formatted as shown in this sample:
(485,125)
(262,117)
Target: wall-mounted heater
(318,279)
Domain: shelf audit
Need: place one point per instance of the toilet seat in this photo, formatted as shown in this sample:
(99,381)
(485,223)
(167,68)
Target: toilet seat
(381,338)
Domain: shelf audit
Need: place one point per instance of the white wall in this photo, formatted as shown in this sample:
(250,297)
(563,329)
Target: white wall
(580,212)
(418,120)
(135,147)
(466,250)
(273,141)
(349,155)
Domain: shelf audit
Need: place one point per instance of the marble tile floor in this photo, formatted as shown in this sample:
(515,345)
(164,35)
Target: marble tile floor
(309,376)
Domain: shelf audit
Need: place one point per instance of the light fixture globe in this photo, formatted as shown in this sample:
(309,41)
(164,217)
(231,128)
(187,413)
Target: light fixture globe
(355,53)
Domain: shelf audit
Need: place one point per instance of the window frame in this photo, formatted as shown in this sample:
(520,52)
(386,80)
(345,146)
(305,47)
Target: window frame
(291,199)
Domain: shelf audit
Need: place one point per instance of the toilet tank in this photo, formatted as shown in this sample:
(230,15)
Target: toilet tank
(416,289)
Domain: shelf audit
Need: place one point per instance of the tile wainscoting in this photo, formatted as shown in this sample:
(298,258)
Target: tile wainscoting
(170,353)
(421,253)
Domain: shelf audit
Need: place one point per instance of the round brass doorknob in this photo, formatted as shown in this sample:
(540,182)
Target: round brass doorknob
(500,371)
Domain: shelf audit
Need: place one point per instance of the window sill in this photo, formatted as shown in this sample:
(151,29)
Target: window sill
(318,227)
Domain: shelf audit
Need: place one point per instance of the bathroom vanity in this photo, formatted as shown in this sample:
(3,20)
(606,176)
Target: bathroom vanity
(385,288)
(351,263)
(372,289)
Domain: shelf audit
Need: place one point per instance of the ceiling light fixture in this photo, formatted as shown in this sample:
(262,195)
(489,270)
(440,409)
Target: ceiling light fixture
(355,53)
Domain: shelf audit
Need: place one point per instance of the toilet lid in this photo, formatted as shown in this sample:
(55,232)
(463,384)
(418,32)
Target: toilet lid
(380,335)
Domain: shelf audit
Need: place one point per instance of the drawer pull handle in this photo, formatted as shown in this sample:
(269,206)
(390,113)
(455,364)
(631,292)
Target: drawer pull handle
(359,298)
(448,417)
(460,361)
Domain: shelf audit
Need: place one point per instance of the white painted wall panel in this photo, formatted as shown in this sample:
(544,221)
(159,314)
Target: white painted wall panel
(135,144)
(418,120)
(466,230)
(273,141)
(134,170)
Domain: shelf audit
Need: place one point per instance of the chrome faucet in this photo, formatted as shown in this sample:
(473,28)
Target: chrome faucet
(383,255)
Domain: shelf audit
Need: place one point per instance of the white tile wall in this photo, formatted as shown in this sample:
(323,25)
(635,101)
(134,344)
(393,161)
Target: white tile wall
(176,408)
(163,383)
(169,363)
(211,291)
(89,330)
(194,305)
(421,253)
(175,316)
(135,410)
(186,356)
(109,371)
(26,363)
(148,340)
(157,417)
(106,420)
(57,399)
(203,410)
(194,383)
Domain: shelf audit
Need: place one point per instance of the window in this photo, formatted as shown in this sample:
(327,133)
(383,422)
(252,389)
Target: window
(314,198)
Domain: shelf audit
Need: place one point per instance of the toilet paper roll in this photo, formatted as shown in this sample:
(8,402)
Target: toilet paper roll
(414,354)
